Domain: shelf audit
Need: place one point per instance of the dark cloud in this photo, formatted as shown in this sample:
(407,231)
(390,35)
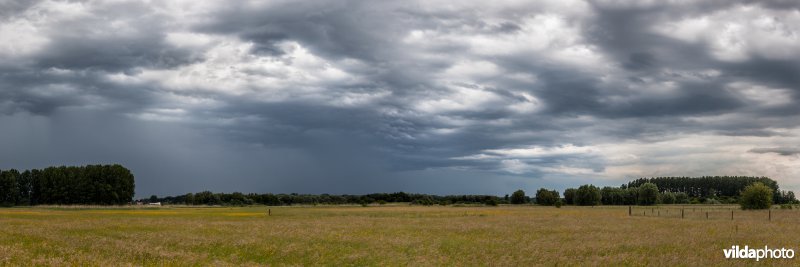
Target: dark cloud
(356,97)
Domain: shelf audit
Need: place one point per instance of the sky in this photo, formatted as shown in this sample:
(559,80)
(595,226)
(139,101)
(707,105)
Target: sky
(441,97)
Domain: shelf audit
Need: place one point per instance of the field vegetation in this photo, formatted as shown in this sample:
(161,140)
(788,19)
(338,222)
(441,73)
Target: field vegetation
(393,234)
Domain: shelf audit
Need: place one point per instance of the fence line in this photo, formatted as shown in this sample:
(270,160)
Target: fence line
(715,213)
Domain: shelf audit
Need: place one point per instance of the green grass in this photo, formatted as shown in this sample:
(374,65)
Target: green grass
(382,235)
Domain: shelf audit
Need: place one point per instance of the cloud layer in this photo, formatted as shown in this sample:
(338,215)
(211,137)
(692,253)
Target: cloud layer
(423,96)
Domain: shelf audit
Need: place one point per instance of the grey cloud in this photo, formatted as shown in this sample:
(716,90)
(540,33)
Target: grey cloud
(783,151)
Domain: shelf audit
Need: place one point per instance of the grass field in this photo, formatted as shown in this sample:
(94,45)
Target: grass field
(382,235)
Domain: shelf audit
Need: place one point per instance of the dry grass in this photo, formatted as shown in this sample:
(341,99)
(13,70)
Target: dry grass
(388,235)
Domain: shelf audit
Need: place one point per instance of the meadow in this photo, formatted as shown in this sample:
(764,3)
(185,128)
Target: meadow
(384,235)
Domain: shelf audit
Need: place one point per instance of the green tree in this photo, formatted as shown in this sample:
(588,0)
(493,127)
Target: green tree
(9,191)
(569,196)
(518,197)
(756,196)
(587,195)
(631,195)
(612,196)
(189,199)
(24,187)
(547,197)
(648,194)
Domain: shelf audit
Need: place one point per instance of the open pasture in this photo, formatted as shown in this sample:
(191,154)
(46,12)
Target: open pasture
(380,235)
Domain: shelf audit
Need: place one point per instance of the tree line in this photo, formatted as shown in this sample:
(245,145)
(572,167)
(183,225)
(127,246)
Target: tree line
(238,198)
(722,189)
(669,190)
(706,190)
(90,185)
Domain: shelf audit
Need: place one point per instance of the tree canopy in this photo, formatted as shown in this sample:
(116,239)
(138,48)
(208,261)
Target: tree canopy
(91,184)
(547,197)
(587,195)
(518,197)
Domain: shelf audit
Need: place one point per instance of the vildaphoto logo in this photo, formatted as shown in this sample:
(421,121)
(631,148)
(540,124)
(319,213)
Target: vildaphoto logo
(735,252)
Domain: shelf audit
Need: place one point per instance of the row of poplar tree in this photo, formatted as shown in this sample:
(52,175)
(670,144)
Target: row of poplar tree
(91,184)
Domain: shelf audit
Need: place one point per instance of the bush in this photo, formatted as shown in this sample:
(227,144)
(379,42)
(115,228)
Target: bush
(425,201)
(587,195)
(648,194)
(546,197)
(681,198)
(756,196)
(518,197)
(559,203)
(668,198)
(490,202)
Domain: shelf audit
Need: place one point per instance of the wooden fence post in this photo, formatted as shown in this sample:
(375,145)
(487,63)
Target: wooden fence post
(706,215)
(731,215)
(770,214)
(681,213)
(630,211)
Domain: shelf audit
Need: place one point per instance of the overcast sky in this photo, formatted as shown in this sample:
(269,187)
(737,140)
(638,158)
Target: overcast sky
(441,97)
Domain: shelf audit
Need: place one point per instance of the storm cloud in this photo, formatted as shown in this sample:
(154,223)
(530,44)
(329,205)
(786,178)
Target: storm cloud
(421,96)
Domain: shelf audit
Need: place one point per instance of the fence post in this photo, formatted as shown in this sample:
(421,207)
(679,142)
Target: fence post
(681,213)
(269,212)
(770,214)
(706,215)
(630,211)
(731,215)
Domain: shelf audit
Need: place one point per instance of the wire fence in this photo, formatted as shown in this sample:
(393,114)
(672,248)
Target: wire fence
(715,213)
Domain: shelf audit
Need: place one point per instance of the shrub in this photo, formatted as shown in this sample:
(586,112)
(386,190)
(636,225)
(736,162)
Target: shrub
(518,197)
(756,196)
(668,198)
(559,203)
(490,202)
(648,194)
(681,198)
(425,201)
(587,195)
